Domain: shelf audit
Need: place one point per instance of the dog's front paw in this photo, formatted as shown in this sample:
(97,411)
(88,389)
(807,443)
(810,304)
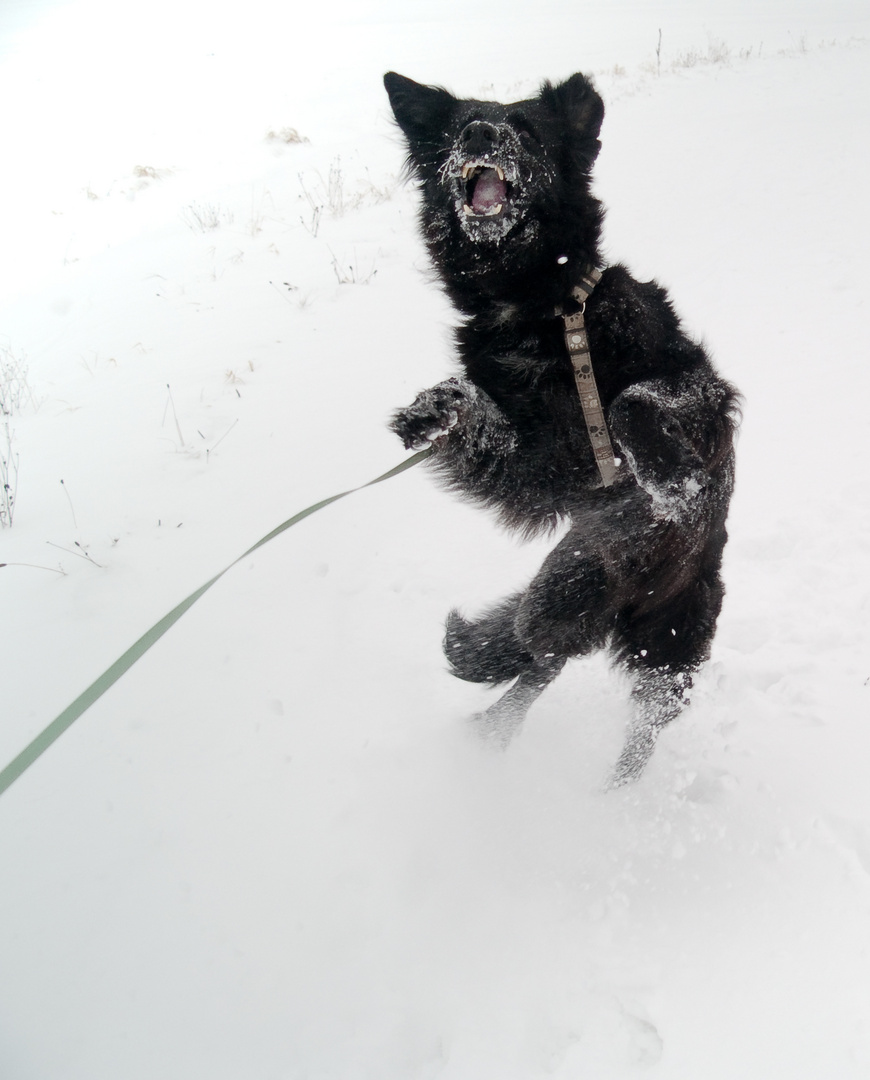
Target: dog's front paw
(433,414)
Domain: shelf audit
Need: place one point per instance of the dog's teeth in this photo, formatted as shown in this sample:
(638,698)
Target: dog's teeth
(466,169)
(499,172)
(468,209)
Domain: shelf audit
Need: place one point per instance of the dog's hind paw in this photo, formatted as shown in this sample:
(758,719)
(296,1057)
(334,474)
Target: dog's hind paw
(496,731)
(634,758)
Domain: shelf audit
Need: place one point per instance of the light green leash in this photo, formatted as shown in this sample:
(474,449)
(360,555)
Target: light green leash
(109,677)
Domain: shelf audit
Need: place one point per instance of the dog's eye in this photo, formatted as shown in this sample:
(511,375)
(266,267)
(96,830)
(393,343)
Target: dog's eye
(525,132)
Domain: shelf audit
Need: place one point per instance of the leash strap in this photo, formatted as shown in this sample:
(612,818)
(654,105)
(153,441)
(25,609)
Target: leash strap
(72,712)
(577,344)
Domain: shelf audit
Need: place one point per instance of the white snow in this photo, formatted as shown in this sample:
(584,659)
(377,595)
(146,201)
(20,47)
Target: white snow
(271,851)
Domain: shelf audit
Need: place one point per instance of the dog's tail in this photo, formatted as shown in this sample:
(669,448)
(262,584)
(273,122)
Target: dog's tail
(486,649)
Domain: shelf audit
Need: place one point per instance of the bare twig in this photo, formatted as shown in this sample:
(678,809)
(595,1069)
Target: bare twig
(69,500)
(171,402)
(35,566)
(81,553)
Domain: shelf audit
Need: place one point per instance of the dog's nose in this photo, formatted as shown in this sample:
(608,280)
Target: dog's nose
(479,138)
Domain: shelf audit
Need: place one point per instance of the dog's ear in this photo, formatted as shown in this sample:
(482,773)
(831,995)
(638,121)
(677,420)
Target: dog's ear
(577,103)
(422,112)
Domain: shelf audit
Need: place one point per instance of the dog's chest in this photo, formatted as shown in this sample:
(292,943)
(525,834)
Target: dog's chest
(525,369)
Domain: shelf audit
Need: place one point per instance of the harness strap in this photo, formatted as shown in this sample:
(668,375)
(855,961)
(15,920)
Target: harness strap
(577,343)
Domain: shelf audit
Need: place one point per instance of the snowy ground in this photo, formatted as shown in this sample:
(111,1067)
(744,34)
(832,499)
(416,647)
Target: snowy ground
(271,852)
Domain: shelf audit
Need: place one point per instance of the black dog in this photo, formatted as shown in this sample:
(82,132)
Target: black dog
(513,232)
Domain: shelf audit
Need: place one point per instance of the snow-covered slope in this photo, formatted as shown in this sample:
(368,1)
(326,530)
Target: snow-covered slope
(271,851)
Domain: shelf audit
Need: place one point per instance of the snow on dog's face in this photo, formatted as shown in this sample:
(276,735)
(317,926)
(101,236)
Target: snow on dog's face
(496,171)
(490,172)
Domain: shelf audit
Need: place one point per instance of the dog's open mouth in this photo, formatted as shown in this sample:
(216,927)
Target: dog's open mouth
(487,191)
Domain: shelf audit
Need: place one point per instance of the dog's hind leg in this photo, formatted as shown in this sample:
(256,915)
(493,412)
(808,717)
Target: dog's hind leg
(562,613)
(501,721)
(659,696)
(487,649)
(663,649)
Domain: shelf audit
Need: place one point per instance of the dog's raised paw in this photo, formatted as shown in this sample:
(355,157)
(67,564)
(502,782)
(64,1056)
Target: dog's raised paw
(433,414)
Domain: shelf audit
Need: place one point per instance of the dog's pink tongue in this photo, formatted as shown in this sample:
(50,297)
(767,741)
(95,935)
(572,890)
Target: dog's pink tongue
(489,191)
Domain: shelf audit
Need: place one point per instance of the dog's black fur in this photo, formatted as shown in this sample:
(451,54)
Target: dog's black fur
(638,570)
